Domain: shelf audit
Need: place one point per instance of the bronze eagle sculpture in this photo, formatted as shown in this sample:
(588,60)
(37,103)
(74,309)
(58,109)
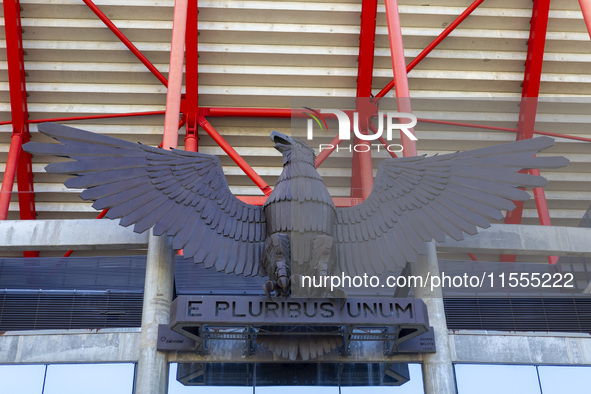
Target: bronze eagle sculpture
(298,230)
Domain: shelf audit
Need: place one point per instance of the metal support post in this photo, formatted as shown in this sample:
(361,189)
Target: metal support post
(438,372)
(152,367)
(399,68)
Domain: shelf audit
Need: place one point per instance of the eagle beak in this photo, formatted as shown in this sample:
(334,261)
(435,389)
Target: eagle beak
(280,138)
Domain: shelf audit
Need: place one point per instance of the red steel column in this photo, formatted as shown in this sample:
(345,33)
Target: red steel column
(362,169)
(586,8)
(528,109)
(19,161)
(175,76)
(191,103)
(399,68)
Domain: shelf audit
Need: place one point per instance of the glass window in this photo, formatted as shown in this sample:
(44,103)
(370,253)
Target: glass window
(21,379)
(414,386)
(175,387)
(89,379)
(297,389)
(560,380)
(495,379)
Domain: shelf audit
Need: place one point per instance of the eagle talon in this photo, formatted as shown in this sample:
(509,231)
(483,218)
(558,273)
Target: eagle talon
(269,287)
(283,284)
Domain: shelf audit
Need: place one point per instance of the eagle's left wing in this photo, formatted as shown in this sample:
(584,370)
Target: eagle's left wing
(417,199)
(179,193)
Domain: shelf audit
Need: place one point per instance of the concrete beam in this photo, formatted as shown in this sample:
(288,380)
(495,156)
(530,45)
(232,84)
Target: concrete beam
(524,239)
(92,234)
(122,345)
(521,348)
(83,234)
(70,346)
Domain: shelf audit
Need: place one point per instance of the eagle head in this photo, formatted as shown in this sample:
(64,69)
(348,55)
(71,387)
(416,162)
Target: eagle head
(292,149)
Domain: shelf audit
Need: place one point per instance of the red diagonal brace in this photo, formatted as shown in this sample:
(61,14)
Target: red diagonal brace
(126,41)
(528,109)
(248,170)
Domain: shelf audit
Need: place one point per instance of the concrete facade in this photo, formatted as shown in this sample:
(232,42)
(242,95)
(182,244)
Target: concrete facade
(139,346)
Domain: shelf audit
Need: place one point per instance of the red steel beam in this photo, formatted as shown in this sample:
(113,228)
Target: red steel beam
(285,113)
(586,9)
(88,117)
(362,169)
(175,76)
(399,68)
(282,113)
(230,151)
(18,162)
(338,201)
(528,109)
(326,152)
(511,130)
(452,26)
(260,112)
(126,41)
(191,102)
(255,112)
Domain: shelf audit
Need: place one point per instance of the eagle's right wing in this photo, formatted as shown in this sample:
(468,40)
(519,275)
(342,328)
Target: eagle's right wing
(179,193)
